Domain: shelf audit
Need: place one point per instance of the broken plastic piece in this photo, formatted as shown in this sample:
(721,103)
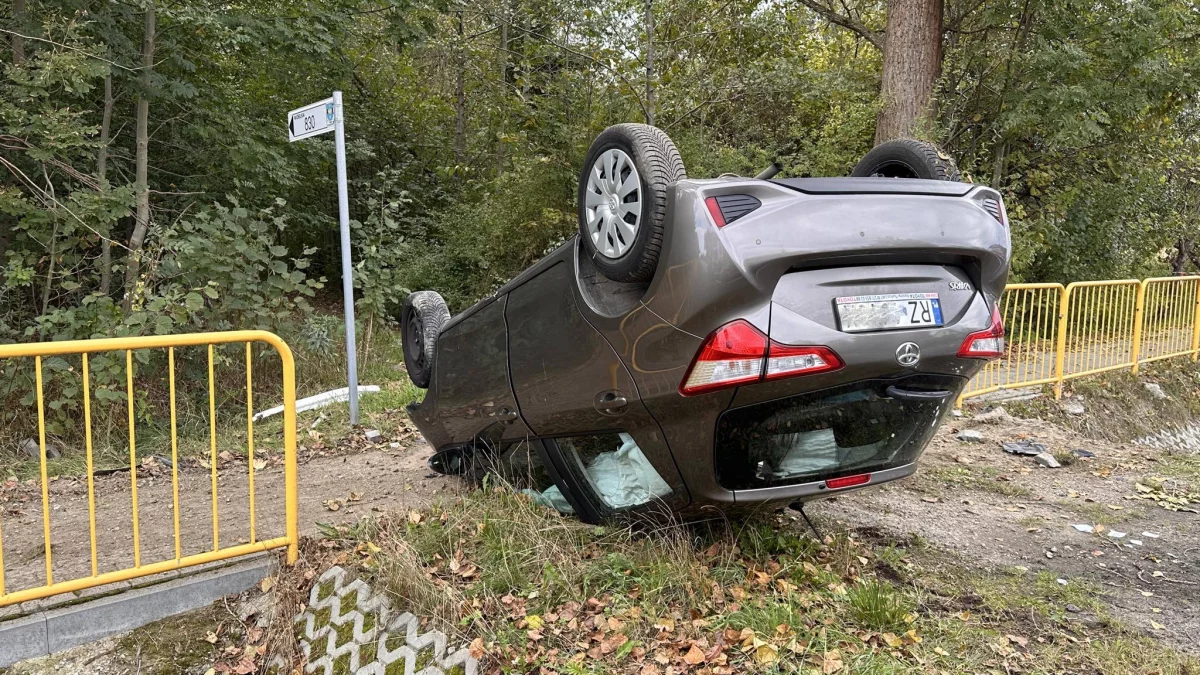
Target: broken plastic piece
(1025,447)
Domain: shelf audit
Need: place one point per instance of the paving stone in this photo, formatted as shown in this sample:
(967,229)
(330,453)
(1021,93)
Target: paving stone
(347,627)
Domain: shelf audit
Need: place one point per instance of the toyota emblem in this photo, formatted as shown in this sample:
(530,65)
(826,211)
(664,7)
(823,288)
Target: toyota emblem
(908,354)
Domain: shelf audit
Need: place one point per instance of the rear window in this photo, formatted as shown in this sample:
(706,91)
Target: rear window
(858,428)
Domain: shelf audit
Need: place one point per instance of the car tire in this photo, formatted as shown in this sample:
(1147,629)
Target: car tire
(907,158)
(421,320)
(623,199)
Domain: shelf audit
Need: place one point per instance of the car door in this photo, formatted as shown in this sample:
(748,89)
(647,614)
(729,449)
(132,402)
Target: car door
(575,392)
(476,400)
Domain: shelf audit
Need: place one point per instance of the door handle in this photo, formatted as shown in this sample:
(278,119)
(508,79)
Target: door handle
(611,403)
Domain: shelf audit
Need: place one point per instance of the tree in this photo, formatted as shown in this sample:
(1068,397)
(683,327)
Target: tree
(141,226)
(912,60)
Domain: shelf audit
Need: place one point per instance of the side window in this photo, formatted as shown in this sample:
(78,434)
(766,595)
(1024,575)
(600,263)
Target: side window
(616,469)
(520,466)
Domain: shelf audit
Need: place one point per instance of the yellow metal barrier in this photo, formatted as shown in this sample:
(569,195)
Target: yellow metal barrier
(1056,333)
(1031,319)
(82,348)
(1170,324)
(1099,332)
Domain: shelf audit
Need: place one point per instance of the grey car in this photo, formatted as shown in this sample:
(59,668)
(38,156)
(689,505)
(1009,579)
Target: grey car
(720,343)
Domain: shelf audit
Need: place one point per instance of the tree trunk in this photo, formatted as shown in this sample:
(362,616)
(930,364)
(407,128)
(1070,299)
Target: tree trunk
(503,95)
(650,113)
(912,59)
(18,41)
(460,98)
(1179,260)
(142,136)
(102,175)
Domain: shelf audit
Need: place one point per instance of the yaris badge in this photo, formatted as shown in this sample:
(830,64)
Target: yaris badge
(908,354)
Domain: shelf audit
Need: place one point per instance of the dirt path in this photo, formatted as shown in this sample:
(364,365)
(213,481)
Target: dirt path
(1007,512)
(359,483)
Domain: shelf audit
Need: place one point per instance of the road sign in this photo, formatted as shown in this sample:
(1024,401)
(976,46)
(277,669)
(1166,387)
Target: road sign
(312,119)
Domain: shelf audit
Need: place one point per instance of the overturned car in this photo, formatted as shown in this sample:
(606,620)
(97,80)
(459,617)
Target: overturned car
(720,342)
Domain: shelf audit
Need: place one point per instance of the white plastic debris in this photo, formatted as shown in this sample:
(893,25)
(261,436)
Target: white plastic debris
(970,436)
(1155,390)
(1116,535)
(318,401)
(1084,528)
(1062,582)
(1135,542)
(1047,460)
(1150,535)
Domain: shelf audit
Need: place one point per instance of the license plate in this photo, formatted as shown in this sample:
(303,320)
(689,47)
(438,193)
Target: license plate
(859,313)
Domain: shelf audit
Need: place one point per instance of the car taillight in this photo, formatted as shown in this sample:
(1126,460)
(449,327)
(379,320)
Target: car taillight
(725,209)
(990,201)
(985,344)
(738,353)
(787,360)
(848,481)
(732,355)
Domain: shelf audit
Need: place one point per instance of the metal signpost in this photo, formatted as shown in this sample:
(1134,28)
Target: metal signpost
(312,120)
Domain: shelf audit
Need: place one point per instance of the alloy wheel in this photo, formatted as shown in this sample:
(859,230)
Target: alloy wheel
(613,203)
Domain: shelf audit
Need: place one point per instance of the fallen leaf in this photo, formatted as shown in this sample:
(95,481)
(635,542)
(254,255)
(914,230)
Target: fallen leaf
(833,662)
(694,656)
(1156,625)
(211,638)
(333,504)
(260,464)
(1018,640)
(267,584)
(414,517)
(767,653)
(476,648)
(892,639)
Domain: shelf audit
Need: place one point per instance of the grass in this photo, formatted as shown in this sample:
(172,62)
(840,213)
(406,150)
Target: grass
(982,478)
(754,595)
(1118,407)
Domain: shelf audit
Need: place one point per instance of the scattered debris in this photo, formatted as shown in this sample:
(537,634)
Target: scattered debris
(1079,452)
(1047,460)
(319,401)
(956,413)
(1072,407)
(970,436)
(34,450)
(1116,535)
(1155,390)
(1172,500)
(1024,447)
(1062,582)
(1150,535)
(1136,542)
(1084,528)
(394,445)
(992,416)
(373,435)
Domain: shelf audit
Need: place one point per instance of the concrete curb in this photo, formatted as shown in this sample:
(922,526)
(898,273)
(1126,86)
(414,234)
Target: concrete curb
(53,630)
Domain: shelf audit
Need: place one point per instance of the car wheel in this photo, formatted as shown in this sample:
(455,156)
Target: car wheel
(907,158)
(623,199)
(421,320)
